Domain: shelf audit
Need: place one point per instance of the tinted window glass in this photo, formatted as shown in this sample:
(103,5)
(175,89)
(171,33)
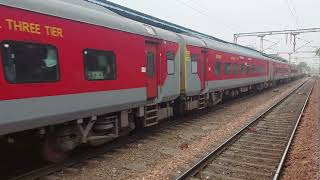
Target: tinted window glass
(235,68)
(194,63)
(170,55)
(242,69)
(29,62)
(150,64)
(253,69)
(170,62)
(248,69)
(260,69)
(217,68)
(99,65)
(227,68)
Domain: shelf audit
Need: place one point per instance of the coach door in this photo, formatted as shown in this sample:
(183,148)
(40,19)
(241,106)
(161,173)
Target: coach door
(203,69)
(151,57)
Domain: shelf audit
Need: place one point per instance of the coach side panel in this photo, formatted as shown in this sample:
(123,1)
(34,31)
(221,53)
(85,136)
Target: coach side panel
(97,70)
(227,71)
(192,68)
(169,79)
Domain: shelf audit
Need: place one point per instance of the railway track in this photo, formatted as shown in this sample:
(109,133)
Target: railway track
(258,150)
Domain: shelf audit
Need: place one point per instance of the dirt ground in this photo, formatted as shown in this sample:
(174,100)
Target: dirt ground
(303,160)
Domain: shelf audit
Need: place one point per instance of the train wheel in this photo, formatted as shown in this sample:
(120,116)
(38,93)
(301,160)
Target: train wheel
(178,109)
(210,101)
(57,145)
(51,151)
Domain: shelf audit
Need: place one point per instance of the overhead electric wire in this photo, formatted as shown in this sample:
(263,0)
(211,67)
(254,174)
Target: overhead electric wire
(292,13)
(203,13)
(191,2)
(295,11)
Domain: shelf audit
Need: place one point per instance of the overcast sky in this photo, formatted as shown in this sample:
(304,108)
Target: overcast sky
(223,18)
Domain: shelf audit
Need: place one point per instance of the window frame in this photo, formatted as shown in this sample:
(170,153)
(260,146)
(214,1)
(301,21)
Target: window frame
(225,68)
(153,65)
(174,63)
(260,69)
(248,69)
(98,50)
(196,60)
(215,69)
(33,43)
(235,70)
(242,69)
(253,69)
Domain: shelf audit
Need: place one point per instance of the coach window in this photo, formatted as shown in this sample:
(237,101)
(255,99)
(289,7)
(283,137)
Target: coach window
(29,62)
(150,64)
(99,65)
(253,69)
(170,62)
(248,69)
(194,64)
(217,68)
(260,69)
(235,68)
(242,70)
(227,68)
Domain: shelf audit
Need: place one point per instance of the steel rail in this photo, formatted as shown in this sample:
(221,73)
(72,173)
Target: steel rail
(205,161)
(284,156)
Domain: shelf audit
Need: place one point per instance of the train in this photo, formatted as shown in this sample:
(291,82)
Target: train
(73,72)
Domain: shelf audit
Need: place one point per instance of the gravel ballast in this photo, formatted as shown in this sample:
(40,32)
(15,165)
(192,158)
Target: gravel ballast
(303,159)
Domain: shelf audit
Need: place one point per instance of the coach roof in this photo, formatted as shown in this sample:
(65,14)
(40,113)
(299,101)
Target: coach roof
(90,13)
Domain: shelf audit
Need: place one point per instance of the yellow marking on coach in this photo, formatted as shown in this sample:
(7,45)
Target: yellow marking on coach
(54,31)
(33,28)
(179,67)
(185,67)
(23,26)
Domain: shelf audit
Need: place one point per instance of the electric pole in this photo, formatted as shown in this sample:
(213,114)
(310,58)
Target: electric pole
(263,34)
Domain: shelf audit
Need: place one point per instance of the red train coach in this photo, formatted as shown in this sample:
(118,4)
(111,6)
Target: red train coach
(46,56)
(76,63)
(215,68)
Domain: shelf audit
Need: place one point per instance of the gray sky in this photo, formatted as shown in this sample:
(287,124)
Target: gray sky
(223,18)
